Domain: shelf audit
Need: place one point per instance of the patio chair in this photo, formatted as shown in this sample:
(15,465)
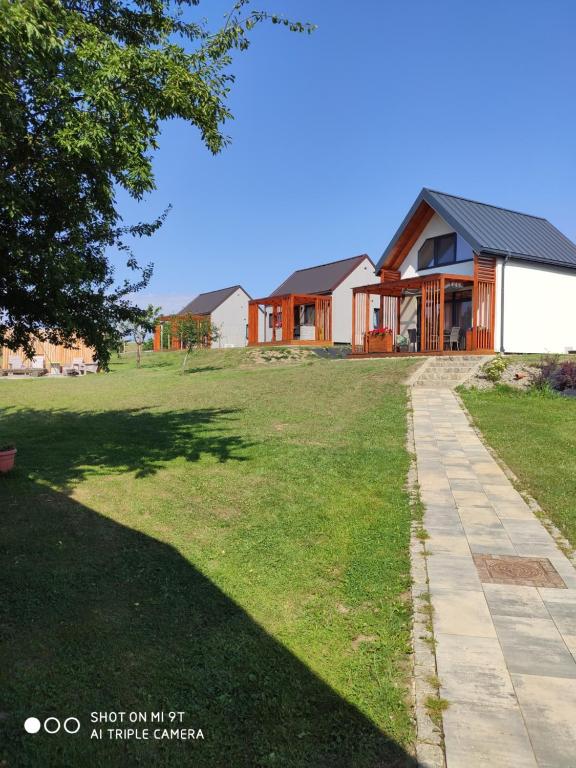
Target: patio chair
(454,337)
(412,340)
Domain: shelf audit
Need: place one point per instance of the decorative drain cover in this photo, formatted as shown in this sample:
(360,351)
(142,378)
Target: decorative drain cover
(522,571)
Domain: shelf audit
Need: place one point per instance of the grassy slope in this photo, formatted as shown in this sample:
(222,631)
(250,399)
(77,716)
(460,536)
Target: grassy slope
(212,542)
(536,437)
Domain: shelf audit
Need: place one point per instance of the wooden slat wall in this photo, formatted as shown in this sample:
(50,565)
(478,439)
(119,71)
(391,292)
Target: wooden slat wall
(323,311)
(432,334)
(253,320)
(484,302)
(389,313)
(53,353)
(360,320)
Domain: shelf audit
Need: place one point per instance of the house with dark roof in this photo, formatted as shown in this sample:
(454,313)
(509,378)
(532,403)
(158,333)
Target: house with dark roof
(313,306)
(225,308)
(464,276)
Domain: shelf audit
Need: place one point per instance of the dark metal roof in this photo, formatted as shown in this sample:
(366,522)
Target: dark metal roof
(206,303)
(494,230)
(324,278)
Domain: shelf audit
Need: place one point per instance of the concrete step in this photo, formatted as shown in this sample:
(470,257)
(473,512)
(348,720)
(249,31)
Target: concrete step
(439,384)
(442,362)
(450,368)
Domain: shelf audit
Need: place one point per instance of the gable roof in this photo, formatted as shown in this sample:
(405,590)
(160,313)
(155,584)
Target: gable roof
(206,303)
(488,229)
(324,278)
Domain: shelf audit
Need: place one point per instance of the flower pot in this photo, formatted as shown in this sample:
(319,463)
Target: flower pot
(7,460)
(380,343)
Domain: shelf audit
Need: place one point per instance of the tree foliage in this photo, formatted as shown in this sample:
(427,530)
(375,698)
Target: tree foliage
(196,333)
(139,327)
(84,87)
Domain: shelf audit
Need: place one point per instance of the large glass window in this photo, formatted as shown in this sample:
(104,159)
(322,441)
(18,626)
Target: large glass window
(426,254)
(445,250)
(438,251)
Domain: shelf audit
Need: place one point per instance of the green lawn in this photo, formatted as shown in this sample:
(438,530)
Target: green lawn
(536,436)
(231,542)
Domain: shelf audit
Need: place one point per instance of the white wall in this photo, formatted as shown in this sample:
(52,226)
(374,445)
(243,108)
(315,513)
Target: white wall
(342,301)
(435,227)
(539,308)
(232,317)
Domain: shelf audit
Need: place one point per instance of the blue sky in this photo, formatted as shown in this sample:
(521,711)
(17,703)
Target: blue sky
(335,134)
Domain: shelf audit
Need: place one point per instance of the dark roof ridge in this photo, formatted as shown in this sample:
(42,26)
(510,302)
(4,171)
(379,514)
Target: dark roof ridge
(336,261)
(217,290)
(480,202)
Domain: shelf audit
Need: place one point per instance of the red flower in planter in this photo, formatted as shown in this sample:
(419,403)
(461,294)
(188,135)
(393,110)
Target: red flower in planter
(381,331)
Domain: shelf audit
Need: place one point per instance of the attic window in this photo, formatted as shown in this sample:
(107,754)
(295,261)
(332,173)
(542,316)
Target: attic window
(437,252)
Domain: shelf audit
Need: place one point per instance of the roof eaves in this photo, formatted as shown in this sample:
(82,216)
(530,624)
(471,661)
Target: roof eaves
(529,257)
(382,260)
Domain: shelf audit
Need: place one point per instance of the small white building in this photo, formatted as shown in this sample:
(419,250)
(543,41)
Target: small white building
(460,275)
(312,306)
(226,309)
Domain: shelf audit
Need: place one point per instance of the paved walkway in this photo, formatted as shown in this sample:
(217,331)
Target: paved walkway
(506,653)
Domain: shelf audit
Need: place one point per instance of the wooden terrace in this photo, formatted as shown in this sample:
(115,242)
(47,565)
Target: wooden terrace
(292,319)
(417,308)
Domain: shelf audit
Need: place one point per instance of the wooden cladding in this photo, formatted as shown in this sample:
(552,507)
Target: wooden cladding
(253,317)
(409,235)
(52,353)
(389,274)
(360,320)
(389,317)
(484,302)
(432,306)
(323,318)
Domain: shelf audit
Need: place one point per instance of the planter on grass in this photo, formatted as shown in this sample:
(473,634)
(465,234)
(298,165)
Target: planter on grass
(7,457)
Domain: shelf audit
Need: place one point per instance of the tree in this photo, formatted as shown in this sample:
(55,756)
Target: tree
(196,334)
(139,328)
(84,86)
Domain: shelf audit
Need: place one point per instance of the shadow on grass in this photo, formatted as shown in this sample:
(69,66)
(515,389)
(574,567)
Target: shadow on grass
(203,369)
(97,617)
(62,446)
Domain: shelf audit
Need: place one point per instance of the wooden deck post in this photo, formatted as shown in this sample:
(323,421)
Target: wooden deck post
(423,342)
(353,320)
(441,315)
(367,316)
(157,343)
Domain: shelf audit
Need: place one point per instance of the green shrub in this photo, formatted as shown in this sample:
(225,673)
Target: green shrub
(494,368)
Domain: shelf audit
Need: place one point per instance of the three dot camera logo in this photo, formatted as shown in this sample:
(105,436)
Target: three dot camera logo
(52,725)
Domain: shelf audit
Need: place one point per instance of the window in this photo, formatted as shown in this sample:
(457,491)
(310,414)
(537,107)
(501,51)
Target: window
(438,251)
(308,316)
(445,248)
(426,254)
(376,318)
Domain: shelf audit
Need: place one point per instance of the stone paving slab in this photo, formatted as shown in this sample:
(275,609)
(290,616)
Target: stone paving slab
(506,652)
